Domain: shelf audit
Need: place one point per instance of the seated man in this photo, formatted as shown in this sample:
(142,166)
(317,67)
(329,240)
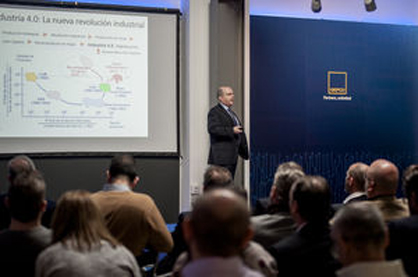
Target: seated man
(214,177)
(382,184)
(25,238)
(355,183)
(360,235)
(263,205)
(272,227)
(403,232)
(308,251)
(18,165)
(217,231)
(254,256)
(132,218)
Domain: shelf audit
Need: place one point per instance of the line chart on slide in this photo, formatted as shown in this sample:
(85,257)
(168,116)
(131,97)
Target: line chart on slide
(75,93)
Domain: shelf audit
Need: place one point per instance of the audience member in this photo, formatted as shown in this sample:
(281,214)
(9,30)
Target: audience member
(278,223)
(404,232)
(26,237)
(254,255)
(82,246)
(217,232)
(214,177)
(308,251)
(382,183)
(355,183)
(132,218)
(18,165)
(217,177)
(263,205)
(360,235)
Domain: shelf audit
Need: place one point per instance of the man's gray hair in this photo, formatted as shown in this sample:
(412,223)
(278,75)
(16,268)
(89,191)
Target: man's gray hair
(20,164)
(360,224)
(286,174)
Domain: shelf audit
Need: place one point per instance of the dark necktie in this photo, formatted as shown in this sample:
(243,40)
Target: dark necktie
(234,118)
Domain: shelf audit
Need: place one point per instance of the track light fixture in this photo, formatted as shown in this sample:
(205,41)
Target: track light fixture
(316,6)
(370,5)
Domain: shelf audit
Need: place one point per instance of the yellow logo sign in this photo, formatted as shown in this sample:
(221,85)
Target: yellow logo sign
(337,82)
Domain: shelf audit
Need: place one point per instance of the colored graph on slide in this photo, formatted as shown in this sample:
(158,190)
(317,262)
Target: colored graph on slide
(62,80)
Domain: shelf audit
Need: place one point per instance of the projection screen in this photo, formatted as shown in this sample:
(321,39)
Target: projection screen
(83,80)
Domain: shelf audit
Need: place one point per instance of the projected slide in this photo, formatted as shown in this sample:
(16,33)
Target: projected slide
(73,74)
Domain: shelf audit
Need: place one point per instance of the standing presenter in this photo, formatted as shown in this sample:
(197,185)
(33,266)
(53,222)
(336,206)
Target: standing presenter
(227,137)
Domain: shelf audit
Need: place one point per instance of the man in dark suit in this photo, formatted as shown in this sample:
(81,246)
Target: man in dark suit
(308,251)
(403,232)
(227,137)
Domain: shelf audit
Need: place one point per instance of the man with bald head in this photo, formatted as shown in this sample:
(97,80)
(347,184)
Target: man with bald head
(217,231)
(227,137)
(382,184)
(355,183)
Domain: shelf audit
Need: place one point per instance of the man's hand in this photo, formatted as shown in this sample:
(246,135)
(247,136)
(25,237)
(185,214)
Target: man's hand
(237,129)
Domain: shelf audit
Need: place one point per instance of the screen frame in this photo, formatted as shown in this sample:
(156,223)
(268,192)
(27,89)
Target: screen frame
(125,8)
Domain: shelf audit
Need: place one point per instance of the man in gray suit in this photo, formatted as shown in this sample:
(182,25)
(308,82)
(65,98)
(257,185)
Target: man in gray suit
(270,228)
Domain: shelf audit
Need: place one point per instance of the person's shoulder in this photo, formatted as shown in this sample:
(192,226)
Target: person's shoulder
(406,222)
(42,233)
(215,108)
(51,251)
(123,252)
(5,235)
(287,245)
(142,196)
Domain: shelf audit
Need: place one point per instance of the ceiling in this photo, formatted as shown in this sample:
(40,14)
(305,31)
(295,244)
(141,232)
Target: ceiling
(403,12)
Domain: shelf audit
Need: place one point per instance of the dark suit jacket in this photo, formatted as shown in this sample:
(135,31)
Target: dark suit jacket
(306,253)
(180,246)
(404,243)
(261,206)
(225,146)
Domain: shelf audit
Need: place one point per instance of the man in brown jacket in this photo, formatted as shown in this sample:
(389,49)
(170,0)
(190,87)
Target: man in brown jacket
(132,218)
(382,183)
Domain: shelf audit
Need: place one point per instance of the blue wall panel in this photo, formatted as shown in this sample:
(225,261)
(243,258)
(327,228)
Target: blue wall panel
(292,117)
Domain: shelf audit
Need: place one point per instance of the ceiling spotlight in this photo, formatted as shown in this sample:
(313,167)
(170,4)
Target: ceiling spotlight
(370,5)
(316,6)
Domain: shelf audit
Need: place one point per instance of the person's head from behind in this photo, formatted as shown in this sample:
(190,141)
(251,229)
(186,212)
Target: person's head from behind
(26,197)
(359,233)
(289,165)
(78,221)
(382,179)
(286,174)
(310,200)
(216,177)
(219,225)
(122,171)
(226,96)
(20,164)
(356,176)
(410,183)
